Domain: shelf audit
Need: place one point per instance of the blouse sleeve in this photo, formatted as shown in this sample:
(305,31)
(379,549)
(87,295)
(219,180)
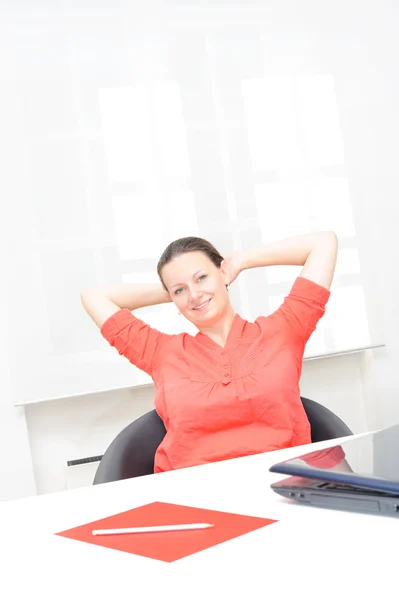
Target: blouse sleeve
(134,339)
(303,307)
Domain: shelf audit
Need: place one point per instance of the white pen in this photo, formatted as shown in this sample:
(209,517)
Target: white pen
(154,529)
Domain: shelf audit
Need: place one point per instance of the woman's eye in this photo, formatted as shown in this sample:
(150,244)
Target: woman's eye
(178,291)
(202,277)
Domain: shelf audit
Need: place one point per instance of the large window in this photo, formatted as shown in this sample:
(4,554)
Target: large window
(130,137)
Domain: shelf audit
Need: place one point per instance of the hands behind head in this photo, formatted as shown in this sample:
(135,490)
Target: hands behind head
(233,266)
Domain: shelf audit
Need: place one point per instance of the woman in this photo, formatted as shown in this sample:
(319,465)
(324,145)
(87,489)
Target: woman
(233,389)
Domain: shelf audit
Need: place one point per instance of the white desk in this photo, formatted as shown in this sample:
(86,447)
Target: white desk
(309,553)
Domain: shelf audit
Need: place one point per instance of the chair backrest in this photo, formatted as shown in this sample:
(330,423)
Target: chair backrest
(324,424)
(132,452)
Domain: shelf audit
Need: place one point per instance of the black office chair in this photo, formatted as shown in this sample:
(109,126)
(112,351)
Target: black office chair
(132,452)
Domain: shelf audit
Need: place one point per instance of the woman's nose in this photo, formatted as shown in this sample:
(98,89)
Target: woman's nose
(193,292)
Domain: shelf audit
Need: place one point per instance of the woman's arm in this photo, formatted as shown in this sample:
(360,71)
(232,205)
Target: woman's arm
(317,252)
(102,302)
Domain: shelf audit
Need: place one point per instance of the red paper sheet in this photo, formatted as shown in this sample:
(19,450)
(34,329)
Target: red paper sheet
(172,545)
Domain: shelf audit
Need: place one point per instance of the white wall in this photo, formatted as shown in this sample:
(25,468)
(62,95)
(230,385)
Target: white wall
(78,428)
(363,389)
(16,470)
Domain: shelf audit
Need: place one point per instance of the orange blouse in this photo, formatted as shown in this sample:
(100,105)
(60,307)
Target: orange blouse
(220,403)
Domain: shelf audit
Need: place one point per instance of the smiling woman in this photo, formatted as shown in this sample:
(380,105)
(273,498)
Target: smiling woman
(233,389)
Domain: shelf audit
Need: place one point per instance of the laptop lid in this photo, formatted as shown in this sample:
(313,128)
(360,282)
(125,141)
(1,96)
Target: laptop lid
(370,461)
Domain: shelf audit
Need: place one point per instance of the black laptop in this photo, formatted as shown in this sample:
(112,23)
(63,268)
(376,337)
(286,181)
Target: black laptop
(360,474)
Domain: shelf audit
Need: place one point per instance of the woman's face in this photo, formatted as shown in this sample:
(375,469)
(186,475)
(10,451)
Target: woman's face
(197,287)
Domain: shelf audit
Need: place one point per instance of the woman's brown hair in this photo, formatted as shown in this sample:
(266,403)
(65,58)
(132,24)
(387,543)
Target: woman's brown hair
(184,245)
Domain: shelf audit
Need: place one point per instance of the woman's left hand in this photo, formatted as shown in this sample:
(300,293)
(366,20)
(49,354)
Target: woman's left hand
(233,265)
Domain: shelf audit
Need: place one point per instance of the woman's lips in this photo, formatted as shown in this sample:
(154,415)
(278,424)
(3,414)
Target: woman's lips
(202,306)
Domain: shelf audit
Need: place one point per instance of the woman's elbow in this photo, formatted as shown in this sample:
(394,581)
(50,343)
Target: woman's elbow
(85,294)
(330,237)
